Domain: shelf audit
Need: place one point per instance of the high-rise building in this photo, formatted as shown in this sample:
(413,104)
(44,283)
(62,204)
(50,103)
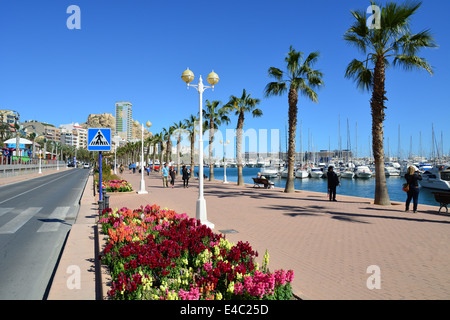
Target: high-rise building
(124,124)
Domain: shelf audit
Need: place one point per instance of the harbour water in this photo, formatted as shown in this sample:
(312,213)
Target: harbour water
(364,188)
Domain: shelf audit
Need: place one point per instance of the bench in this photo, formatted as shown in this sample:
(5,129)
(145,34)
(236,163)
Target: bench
(443,198)
(267,184)
(204,175)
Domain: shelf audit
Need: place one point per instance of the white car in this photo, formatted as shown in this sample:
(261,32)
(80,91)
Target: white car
(86,166)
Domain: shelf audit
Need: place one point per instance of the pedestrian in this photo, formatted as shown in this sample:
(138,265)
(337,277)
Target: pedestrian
(333,182)
(186,174)
(172,174)
(165,175)
(148,170)
(134,167)
(412,177)
(121,169)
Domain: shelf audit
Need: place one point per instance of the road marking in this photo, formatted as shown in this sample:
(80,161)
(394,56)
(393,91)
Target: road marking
(18,195)
(16,223)
(54,220)
(4,211)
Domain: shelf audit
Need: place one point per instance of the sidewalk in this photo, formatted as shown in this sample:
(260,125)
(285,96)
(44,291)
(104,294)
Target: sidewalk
(329,245)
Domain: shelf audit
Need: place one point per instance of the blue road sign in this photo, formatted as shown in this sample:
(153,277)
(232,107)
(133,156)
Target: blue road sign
(99,139)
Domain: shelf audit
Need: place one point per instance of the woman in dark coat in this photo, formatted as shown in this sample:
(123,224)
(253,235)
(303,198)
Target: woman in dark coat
(412,177)
(172,174)
(186,174)
(333,182)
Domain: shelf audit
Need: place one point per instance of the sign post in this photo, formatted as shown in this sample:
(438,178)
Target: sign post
(99,140)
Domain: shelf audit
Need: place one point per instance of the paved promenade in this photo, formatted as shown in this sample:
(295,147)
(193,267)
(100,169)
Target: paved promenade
(329,245)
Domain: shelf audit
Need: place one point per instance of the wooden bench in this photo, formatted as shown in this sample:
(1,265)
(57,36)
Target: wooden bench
(258,181)
(443,198)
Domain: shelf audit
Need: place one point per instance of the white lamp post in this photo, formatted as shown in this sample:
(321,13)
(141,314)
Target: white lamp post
(213,79)
(224,143)
(40,161)
(116,140)
(142,186)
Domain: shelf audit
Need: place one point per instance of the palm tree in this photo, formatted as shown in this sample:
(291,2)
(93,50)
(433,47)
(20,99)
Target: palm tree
(242,105)
(391,40)
(167,133)
(178,129)
(154,141)
(303,79)
(190,127)
(214,117)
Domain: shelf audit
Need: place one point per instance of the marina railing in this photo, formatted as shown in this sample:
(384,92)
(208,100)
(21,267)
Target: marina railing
(14,167)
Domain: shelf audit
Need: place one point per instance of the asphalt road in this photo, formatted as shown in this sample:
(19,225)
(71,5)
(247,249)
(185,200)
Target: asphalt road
(35,219)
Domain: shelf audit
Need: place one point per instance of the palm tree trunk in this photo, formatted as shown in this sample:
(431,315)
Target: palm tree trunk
(378,115)
(154,157)
(211,139)
(293,109)
(178,155)
(239,133)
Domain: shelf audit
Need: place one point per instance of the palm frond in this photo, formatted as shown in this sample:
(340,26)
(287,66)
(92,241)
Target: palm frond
(275,89)
(362,76)
(410,62)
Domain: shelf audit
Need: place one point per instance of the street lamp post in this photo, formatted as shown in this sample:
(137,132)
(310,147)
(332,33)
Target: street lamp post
(224,143)
(213,79)
(116,140)
(142,185)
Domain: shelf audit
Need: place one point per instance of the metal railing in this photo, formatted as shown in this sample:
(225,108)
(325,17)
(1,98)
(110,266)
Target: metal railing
(11,168)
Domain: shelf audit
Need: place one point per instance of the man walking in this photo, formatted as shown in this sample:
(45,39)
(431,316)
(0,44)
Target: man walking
(333,182)
(165,175)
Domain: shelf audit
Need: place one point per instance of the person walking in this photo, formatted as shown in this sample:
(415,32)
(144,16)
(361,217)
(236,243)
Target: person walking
(134,167)
(172,174)
(333,182)
(412,177)
(165,175)
(186,174)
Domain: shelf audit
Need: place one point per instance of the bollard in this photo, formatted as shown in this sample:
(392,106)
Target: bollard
(100,206)
(106,201)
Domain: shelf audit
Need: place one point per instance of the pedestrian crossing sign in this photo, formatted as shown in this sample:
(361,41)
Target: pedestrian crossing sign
(99,139)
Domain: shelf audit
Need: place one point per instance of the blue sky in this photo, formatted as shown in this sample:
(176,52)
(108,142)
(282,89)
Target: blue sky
(136,51)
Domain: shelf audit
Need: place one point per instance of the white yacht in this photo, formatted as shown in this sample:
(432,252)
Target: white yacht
(315,172)
(391,171)
(269,172)
(347,174)
(301,173)
(436,178)
(423,166)
(363,172)
(251,163)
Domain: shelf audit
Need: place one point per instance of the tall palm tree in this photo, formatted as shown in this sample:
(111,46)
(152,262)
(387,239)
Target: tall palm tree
(179,129)
(154,141)
(190,124)
(390,40)
(300,77)
(214,117)
(167,133)
(242,105)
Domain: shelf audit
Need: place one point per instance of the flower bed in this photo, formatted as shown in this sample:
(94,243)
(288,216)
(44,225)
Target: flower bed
(117,186)
(157,254)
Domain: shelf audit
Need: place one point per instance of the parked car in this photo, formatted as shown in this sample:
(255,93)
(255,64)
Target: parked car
(86,166)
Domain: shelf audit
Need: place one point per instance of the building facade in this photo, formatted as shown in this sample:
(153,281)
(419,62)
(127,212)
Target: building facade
(124,120)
